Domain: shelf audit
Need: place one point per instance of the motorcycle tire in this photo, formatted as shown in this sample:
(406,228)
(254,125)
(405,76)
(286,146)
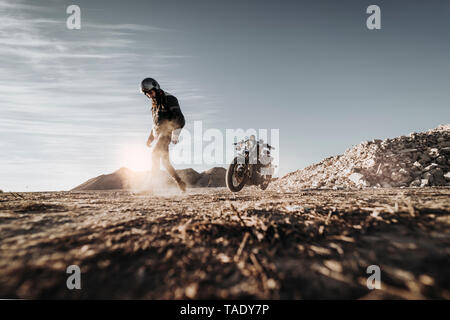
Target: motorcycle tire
(229,178)
(265,184)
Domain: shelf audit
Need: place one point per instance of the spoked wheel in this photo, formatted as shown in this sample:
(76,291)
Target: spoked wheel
(235,178)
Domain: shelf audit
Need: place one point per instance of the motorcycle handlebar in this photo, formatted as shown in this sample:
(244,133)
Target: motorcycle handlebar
(244,141)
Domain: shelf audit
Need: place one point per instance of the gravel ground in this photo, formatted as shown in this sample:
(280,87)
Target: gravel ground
(209,243)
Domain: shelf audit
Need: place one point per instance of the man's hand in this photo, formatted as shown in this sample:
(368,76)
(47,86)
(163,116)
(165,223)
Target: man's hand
(149,141)
(175,136)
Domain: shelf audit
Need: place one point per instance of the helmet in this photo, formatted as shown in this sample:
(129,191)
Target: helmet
(148,84)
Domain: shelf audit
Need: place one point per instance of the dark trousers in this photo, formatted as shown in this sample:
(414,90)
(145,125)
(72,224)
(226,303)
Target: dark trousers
(161,152)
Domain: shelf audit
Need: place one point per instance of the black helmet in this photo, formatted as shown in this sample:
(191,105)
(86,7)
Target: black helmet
(149,84)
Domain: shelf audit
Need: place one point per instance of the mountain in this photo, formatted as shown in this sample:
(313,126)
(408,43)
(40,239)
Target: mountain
(190,176)
(214,177)
(125,178)
(417,160)
(119,179)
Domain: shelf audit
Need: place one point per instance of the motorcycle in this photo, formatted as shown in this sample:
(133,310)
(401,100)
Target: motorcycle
(251,166)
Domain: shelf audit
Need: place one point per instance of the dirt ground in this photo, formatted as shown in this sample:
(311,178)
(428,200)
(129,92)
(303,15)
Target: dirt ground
(210,243)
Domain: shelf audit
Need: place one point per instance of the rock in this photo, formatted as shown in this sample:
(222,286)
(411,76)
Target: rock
(438,177)
(430,167)
(424,159)
(407,150)
(433,153)
(418,165)
(447,176)
(357,179)
(415,183)
(423,183)
(416,173)
(316,184)
(426,175)
(441,160)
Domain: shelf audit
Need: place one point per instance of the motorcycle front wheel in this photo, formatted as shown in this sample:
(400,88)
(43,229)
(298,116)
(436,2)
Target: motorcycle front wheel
(235,177)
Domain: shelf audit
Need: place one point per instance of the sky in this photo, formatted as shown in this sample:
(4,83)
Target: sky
(70,108)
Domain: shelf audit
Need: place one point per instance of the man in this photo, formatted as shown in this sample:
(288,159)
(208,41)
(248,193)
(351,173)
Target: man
(167,124)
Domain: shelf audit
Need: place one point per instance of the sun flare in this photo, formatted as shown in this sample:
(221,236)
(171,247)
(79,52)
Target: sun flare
(136,157)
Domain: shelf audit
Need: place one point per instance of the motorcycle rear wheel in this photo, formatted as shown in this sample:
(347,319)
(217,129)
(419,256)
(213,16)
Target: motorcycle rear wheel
(231,173)
(265,183)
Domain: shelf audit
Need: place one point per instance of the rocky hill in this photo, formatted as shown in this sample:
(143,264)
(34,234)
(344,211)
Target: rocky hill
(125,178)
(119,179)
(214,177)
(416,160)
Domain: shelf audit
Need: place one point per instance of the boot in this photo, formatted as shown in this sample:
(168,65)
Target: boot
(181,184)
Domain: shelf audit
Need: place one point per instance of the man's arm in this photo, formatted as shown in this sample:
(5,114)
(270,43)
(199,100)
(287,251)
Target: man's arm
(176,115)
(150,139)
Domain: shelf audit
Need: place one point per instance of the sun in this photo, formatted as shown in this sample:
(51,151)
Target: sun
(136,157)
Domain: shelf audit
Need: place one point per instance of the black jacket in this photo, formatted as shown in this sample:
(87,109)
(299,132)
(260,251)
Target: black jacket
(165,108)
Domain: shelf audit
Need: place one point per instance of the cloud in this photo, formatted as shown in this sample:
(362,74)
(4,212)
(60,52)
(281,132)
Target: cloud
(68,95)
(8,5)
(124,27)
(49,66)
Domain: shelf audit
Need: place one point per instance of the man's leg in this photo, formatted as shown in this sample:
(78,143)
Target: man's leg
(170,169)
(164,149)
(156,156)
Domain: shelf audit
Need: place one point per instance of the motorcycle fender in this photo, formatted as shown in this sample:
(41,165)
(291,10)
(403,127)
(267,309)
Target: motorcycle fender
(267,171)
(240,160)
